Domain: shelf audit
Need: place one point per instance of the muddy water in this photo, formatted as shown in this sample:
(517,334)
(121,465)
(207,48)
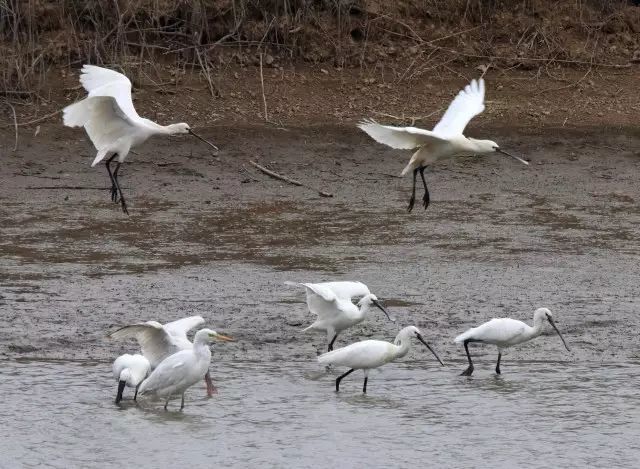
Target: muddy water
(207,236)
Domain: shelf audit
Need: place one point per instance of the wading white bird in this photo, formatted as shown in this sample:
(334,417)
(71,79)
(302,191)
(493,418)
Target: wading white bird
(444,141)
(159,341)
(130,371)
(331,302)
(505,332)
(111,121)
(183,369)
(369,354)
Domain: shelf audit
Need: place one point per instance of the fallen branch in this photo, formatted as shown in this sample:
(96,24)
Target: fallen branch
(264,98)
(81,188)
(286,179)
(15,124)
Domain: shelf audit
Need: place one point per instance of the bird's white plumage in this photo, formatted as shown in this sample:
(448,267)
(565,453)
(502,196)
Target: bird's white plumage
(132,369)
(465,106)
(361,355)
(496,331)
(402,138)
(159,341)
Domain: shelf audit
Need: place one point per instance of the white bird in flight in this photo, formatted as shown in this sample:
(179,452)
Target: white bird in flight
(130,371)
(159,341)
(175,374)
(505,332)
(444,141)
(369,354)
(111,121)
(331,302)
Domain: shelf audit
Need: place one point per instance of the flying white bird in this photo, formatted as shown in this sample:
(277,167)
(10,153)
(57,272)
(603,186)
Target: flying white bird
(159,341)
(505,332)
(331,302)
(369,354)
(130,371)
(111,121)
(183,369)
(444,141)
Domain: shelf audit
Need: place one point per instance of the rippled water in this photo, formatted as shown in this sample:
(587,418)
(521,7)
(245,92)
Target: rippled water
(537,414)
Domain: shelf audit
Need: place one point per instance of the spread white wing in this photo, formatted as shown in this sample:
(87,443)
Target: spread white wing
(346,289)
(405,138)
(468,104)
(178,329)
(155,342)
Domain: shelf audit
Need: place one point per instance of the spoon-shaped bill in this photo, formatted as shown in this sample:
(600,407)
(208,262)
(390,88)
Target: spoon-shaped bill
(379,305)
(553,324)
(204,140)
(512,156)
(430,349)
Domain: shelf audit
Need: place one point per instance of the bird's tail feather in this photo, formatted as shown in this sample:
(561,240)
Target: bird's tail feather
(99,157)
(462,337)
(327,356)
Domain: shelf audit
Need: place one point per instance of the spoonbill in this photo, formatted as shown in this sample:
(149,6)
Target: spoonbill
(159,341)
(505,332)
(444,141)
(331,302)
(175,374)
(368,354)
(130,371)
(112,123)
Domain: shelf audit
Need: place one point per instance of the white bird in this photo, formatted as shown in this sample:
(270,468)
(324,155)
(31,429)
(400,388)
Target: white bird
(331,302)
(505,332)
(159,341)
(369,354)
(183,369)
(444,141)
(111,121)
(130,371)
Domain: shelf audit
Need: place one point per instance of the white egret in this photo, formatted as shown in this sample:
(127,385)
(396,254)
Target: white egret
(369,354)
(505,332)
(183,369)
(130,371)
(159,341)
(331,302)
(444,141)
(111,121)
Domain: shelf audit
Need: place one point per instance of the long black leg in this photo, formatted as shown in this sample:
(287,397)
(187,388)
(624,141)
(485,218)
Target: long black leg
(412,200)
(115,179)
(425,198)
(498,364)
(121,385)
(364,388)
(469,370)
(114,190)
(332,341)
(342,376)
(135,396)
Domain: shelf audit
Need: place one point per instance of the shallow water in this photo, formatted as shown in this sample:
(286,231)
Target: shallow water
(281,415)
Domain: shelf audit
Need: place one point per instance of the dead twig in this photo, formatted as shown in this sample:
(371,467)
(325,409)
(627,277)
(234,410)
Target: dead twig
(264,98)
(15,124)
(286,179)
(35,121)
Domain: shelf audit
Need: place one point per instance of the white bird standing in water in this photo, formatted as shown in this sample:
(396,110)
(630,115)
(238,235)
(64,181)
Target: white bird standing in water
(444,141)
(369,354)
(331,302)
(175,374)
(159,341)
(130,371)
(111,121)
(505,332)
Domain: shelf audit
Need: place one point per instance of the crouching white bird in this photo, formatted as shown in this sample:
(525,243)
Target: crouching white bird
(175,374)
(159,341)
(369,354)
(331,302)
(130,371)
(505,332)
(111,121)
(444,141)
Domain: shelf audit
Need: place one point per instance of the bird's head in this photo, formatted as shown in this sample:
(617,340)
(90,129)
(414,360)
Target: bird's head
(372,300)
(489,146)
(209,335)
(413,331)
(543,314)
(181,128)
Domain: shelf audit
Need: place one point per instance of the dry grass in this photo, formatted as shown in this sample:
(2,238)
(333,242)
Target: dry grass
(200,36)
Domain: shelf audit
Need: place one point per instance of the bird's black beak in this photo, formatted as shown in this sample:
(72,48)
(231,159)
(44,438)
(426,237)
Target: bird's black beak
(429,347)
(121,385)
(553,324)
(499,150)
(204,140)
(379,305)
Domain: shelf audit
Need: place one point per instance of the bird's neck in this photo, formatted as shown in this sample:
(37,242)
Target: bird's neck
(536,330)
(201,348)
(402,347)
(157,128)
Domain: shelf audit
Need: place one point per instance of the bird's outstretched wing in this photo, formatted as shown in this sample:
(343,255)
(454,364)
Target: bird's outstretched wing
(346,289)
(405,138)
(180,327)
(156,343)
(104,82)
(468,104)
